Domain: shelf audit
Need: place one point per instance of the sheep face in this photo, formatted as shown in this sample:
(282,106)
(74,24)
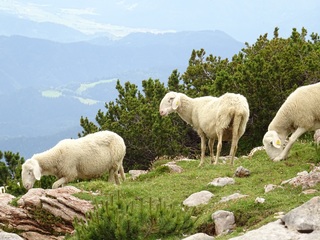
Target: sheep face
(169,103)
(30,173)
(272,144)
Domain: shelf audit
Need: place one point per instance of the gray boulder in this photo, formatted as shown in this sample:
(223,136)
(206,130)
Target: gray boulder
(301,223)
(224,222)
(9,236)
(305,218)
(198,198)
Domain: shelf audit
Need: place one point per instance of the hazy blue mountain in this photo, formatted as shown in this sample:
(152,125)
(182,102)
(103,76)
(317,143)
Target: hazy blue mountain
(46,86)
(11,25)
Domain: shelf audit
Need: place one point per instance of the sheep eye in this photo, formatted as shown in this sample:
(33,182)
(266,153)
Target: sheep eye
(170,100)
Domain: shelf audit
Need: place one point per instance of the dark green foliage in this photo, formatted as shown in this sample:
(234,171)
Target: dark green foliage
(121,219)
(10,172)
(45,182)
(265,72)
(135,117)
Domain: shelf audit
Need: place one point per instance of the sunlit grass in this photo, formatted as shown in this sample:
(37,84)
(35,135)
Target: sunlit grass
(174,188)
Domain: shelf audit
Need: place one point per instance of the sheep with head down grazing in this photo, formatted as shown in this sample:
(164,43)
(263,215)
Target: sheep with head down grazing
(224,118)
(84,158)
(300,113)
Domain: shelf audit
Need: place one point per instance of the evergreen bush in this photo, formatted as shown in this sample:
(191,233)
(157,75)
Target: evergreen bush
(117,218)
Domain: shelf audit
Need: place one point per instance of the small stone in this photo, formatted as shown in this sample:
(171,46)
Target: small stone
(259,200)
(222,181)
(136,173)
(234,196)
(242,172)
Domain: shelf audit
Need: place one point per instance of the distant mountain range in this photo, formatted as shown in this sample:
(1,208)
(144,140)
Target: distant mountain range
(47,85)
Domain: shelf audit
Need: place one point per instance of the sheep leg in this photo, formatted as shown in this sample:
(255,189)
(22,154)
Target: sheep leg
(219,146)
(234,144)
(113,176)
(233,149)
(295,135)
(203,148)
(211,145)
(59,183)
(122,174)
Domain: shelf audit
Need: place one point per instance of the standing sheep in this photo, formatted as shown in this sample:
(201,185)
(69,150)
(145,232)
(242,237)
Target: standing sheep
(224,118)
(300,113)
(84,158)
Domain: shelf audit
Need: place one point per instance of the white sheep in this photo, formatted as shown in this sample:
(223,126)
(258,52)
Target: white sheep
(224,118)
(300,113)
(84,158)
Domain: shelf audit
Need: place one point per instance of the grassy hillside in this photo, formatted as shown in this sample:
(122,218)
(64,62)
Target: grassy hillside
(174,188)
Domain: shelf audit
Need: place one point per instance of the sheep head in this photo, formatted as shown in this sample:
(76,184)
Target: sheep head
(169,103)
(272,144)
(31,172)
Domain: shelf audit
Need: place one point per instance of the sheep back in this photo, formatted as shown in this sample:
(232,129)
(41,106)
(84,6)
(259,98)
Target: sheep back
(301,109)
(229,106)
(85,158)
(218,113)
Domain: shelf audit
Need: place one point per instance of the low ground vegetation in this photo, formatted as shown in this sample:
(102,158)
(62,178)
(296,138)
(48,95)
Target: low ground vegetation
(173,188)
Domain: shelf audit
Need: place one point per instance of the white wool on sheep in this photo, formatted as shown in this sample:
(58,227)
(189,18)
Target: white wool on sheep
(84,158)
(300,113)
(223,118)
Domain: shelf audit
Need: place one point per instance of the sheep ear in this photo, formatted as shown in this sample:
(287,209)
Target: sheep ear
(37,172)
(176,102)
(276,142)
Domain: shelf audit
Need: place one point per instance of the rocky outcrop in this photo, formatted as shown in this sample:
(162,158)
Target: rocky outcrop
(305,179)
(43,214)
(301,223)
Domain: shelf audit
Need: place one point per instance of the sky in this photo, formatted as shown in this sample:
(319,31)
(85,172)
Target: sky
(244,20)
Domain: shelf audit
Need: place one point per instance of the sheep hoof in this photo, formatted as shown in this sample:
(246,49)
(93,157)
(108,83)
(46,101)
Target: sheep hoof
(277,159)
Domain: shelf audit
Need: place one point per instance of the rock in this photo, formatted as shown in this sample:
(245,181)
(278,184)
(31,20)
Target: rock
(301,223)
(9,236)
(136,173)
(26,218)
(305,179)
(222,181)
(199,236)
(198,198)
(242,172)
(305,218)
(270,187)
(173,167)
(274,230)
(309,191)
(232,197)
(259,200)
(224,222)
(256,149)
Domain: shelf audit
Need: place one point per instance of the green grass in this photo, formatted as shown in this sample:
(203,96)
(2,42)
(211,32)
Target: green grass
(159,183)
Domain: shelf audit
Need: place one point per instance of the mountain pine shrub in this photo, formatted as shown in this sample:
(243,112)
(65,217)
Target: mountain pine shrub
(117,218)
